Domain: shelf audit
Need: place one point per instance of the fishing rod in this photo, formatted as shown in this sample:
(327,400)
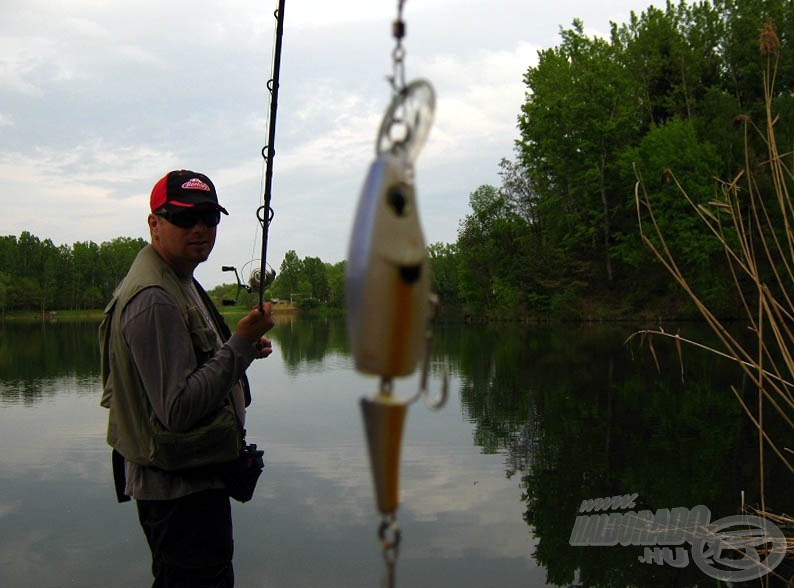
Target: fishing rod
(265,212)
(262,277)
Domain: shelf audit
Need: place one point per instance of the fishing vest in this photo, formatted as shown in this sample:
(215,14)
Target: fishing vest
(133,428)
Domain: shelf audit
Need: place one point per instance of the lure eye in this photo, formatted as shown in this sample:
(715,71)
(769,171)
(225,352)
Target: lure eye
(397,200)
(410,273)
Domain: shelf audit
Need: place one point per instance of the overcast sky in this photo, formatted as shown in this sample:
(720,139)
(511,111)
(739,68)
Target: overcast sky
(100,98)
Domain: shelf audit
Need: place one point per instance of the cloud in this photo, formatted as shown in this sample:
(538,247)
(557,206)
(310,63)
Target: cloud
(111,94)
(478,101)
(95,188)
(332,129)
(21,58)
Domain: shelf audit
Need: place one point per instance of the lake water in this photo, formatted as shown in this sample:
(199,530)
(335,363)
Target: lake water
(539,419)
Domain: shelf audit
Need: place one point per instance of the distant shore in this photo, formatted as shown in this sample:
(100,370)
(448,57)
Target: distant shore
(95,315)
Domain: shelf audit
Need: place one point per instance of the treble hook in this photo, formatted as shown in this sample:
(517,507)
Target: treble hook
(441,400)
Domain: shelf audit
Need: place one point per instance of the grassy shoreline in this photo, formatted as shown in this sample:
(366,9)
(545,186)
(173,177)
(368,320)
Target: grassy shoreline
(96,314)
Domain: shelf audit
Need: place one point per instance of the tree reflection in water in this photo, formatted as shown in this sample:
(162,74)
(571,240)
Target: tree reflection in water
(576,414)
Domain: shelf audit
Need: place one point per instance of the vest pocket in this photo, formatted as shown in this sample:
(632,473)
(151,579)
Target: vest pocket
(202,336)
(215,442)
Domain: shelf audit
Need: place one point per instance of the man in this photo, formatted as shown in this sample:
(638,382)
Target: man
(174,383)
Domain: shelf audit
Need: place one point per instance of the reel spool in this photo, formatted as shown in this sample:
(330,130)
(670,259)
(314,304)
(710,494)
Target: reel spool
(255,279)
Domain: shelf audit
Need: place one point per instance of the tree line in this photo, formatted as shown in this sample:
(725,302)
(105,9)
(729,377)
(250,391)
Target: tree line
(36,274)
(668,91)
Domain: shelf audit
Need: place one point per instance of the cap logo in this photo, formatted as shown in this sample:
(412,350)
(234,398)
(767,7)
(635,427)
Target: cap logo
(196,184)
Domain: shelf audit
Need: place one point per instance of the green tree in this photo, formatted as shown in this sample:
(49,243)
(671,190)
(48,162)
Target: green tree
(335,273)
(116,257)
(83,289)
(28,255)
(743,62)
(54,268)
(672,57)
(288,280)
(590,100)
(675,148)
(5,289)
(444,262)
(314,274)
(578,116)
(9,252)
(520,193)
(490,278)
(475,264)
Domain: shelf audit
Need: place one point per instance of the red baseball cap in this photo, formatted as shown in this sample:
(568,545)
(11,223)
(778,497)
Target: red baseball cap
(182,189)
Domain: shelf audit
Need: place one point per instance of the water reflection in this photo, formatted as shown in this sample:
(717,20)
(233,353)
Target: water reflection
(32,355)
(578,416)
(540,419)
(579,419)
(306,344)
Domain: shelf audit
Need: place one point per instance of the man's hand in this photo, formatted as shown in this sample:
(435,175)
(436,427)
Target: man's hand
(265,347)
(255,324)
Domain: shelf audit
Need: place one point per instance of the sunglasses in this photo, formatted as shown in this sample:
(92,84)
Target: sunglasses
(187,219)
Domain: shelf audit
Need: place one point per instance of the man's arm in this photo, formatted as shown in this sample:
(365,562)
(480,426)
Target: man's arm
(181,395)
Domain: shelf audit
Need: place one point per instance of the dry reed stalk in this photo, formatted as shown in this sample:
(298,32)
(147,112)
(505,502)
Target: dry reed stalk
(761,239)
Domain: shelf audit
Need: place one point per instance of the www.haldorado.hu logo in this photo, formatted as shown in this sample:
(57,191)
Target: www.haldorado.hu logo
(724,549)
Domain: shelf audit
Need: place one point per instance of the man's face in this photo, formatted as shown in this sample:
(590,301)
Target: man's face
(182,248)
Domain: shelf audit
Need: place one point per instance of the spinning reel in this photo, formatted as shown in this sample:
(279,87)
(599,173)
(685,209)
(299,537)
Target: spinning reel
(255,281)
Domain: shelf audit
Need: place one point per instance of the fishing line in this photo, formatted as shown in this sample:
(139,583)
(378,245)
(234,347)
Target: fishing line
(257,234)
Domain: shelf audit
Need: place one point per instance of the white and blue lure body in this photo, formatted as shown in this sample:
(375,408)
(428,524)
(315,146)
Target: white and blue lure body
(388,275)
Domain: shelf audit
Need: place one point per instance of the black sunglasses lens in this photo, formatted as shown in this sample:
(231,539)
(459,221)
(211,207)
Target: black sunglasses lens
(188,218)
(213,219)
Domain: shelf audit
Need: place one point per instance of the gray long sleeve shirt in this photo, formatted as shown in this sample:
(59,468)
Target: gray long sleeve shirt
(180,395)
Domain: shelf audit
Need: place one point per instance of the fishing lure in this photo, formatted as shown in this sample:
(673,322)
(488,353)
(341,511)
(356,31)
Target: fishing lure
(388,299)
(388,274)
